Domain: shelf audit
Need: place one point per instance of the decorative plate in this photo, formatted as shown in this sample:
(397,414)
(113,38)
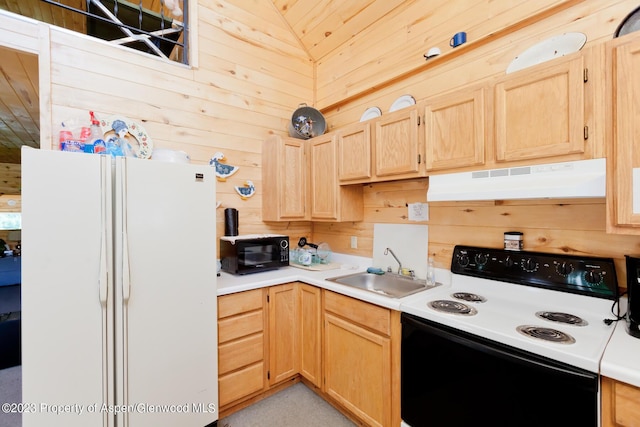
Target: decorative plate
(402,102)
(133,132)
(548,49)
(370,113)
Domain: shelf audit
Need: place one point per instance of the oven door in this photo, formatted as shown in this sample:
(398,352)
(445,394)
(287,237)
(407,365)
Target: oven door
(451,378)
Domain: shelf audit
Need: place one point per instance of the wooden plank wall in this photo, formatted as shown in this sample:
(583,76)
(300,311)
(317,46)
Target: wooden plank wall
(455,67)
(251,75)
(563,226)
(10,178)
(396,44)
(10,203)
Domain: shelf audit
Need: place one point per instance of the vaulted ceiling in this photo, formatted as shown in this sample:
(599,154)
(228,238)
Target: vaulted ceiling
(323,25)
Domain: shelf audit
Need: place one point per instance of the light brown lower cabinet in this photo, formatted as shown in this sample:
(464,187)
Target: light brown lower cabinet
(310,333)
(283,332)
(241,343)
(295,323)
(358,368)
(620,404)
(267,337)
(361,353)
(348,349)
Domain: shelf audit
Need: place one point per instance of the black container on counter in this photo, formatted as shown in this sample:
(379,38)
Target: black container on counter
(633,295)
(230,222)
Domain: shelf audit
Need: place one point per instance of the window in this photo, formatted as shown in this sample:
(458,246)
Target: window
(157,27)
(10,221)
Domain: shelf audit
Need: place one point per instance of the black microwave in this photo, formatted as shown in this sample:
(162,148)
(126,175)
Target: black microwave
(253,253)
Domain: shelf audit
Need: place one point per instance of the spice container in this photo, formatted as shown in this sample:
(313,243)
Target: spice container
(513,241)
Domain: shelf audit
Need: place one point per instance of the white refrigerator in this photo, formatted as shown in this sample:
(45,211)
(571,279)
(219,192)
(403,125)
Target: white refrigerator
(119,310)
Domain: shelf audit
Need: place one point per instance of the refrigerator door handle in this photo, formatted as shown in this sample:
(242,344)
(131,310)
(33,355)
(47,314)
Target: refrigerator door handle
(126,279)
(103,277)
(103,269)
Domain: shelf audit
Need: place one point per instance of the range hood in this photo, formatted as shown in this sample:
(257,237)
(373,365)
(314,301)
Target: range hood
(582,178)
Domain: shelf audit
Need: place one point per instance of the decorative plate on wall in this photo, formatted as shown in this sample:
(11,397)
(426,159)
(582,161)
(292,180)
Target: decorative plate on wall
(548,49)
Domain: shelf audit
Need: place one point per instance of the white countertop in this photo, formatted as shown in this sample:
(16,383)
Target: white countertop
(621,359)
(230,283)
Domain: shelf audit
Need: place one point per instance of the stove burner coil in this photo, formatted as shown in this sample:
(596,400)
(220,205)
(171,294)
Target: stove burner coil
(466,296)
(452,307)
(566,318)
(546,334)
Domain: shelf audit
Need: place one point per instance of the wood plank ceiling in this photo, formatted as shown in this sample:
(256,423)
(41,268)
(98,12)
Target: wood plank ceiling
(320,25)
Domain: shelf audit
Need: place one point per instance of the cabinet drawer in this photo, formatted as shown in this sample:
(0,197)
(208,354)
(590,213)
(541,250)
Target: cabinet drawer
(241,383)
(368,315)
(242,325)
(228,305)
(242,352)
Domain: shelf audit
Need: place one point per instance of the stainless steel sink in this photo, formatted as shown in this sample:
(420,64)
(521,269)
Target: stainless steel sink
(391,285)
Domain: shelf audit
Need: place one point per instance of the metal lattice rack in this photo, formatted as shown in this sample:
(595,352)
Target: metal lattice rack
(128,24)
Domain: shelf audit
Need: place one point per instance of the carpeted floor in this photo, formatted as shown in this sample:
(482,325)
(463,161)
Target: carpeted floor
(294,406)
(10,392)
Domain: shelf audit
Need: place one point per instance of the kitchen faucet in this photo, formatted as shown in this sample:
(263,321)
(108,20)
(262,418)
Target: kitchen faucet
(386,252)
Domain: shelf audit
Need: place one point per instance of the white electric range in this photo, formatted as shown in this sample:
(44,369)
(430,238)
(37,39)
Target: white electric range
(546,309)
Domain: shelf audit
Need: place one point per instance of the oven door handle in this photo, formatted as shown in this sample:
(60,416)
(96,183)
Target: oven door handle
(495,348)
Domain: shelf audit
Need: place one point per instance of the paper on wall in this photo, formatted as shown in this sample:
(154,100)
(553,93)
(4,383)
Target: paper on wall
(418,212)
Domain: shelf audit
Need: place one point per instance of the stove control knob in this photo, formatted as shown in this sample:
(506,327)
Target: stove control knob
(482,259)
(593,277)
(508,262)
(564,268)
(529,265)
(463,260)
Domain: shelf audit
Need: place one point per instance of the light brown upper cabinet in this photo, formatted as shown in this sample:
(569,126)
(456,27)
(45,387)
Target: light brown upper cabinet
(300,182)
(284,179)
(328,200)
(454,127)
(398,148)
(539,112)
(623,190)
(354,146)
(387,148)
